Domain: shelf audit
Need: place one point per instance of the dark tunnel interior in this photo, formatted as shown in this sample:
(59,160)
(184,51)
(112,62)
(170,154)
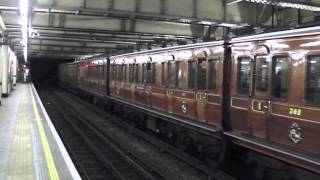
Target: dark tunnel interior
(44,71)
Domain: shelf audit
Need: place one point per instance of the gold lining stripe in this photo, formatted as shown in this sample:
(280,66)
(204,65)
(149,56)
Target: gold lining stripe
(281,115)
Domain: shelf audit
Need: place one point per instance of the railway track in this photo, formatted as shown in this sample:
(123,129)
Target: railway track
(96,156)
(206,173)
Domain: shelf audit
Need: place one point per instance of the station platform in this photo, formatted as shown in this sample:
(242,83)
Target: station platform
(30,147)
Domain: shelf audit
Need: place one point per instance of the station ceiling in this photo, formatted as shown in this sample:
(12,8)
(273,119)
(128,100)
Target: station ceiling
(76,28)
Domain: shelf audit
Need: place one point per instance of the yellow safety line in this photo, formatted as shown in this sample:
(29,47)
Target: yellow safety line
(44,141)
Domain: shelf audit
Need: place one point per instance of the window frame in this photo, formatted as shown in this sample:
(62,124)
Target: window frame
(125,73)
(307,102)
(176,84)
(149,73)
(163,82)
(237,76)
(216,60)
(136,73)
(195,75)
(289,59)
(205,60)
(169,84)
(259,93)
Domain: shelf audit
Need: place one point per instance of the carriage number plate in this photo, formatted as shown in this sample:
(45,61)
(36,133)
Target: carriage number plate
(295,111)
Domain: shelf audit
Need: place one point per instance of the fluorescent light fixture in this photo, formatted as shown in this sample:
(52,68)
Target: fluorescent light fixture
(24,12)
(64,11)
(228,25)
(206,22)
(234,2)
(286,4)
(233,25)
(9,8)
(46,10)
(185,20)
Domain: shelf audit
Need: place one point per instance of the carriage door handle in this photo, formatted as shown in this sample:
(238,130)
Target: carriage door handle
(204,97)
(268,105)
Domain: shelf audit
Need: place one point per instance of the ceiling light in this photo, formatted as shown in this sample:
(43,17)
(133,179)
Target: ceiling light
(41,10)
(228,25)
(206,22)
(233,25)
(185,20)
(234,2)
(24,11)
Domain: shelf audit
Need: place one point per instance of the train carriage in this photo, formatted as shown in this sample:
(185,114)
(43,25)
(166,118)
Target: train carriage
(275,97)
(168,80)
(92,76)
(262,92)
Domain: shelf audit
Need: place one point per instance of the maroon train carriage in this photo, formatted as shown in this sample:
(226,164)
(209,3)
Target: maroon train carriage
(275,95)
(167,81)
(262,91)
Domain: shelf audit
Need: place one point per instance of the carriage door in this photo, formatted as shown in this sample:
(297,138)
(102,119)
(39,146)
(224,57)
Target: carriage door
(260,102)
(201,89)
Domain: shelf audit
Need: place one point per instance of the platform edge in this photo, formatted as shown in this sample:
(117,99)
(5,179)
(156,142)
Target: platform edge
(73,171)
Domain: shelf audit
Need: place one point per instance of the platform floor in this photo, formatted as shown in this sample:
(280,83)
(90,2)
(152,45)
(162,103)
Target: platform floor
(30,147)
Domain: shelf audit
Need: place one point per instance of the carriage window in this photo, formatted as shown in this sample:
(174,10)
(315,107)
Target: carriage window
(262,74)
(138,69)
(153,73)
(163,74)
(280,68)
(202,75)
(100,74)
(115,72)
(124,68)
(179,75)
(244,75)
(212,75)
(150,73)
(171,74)
(144,73)
(313,80)
(120,72)
(111,72)
(192,65)
(136,73)
(131,73)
